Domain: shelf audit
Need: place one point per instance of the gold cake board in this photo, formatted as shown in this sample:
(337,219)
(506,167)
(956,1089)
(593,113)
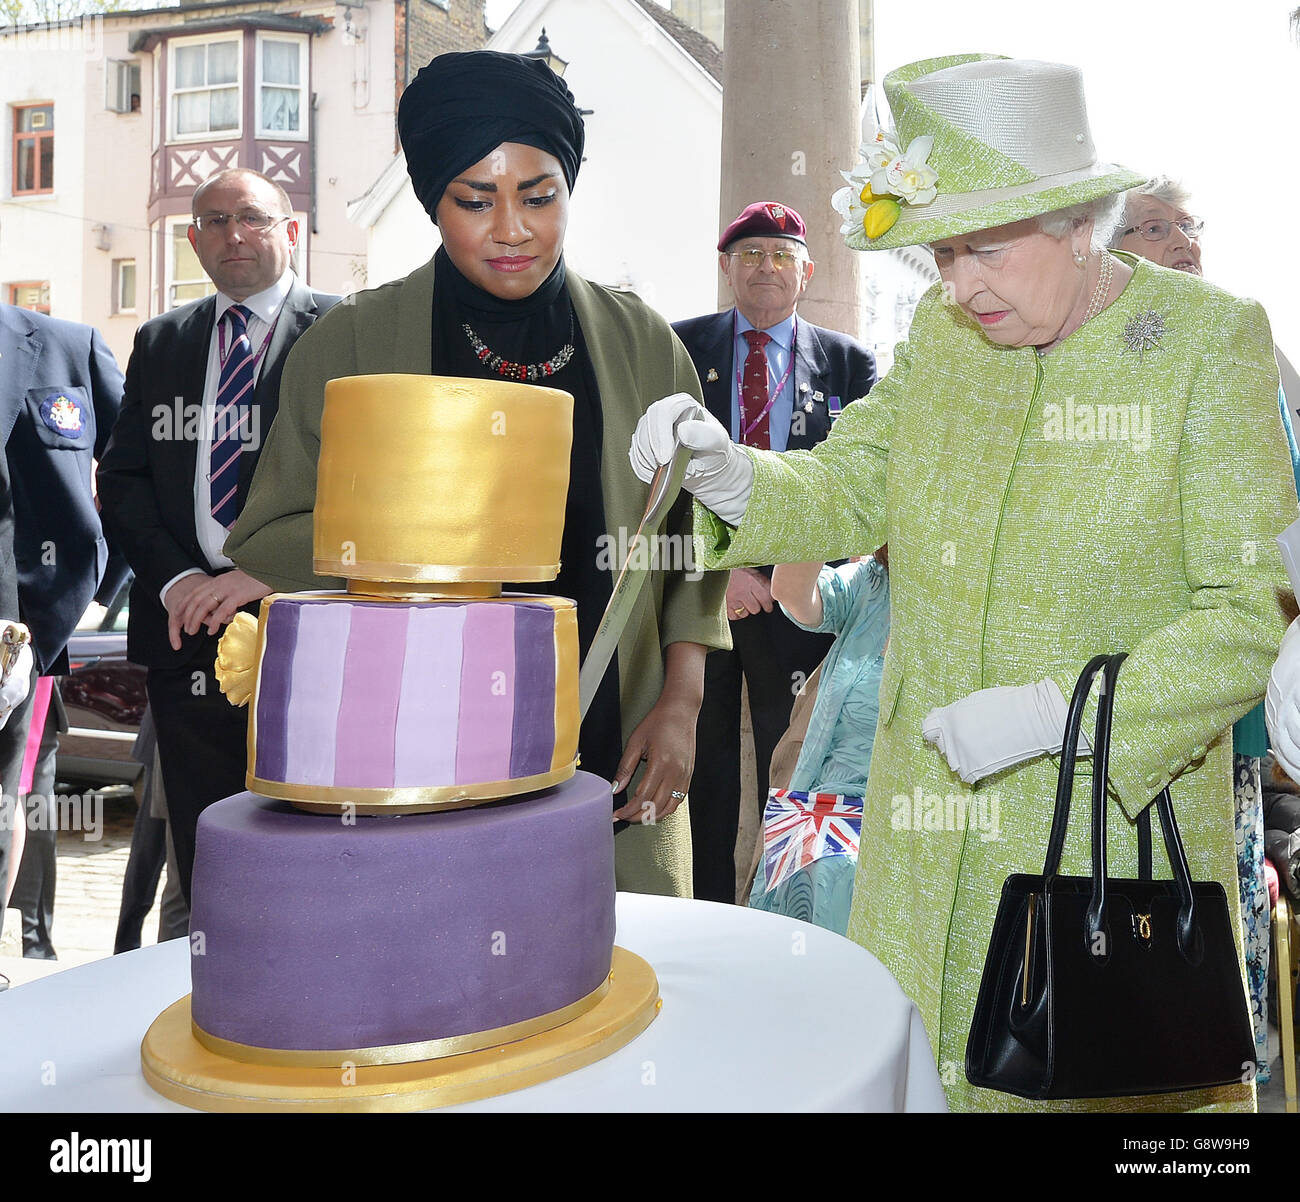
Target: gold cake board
(182,1069)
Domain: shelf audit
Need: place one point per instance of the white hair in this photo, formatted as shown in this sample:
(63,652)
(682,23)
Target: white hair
(1104,213)
(1162,187)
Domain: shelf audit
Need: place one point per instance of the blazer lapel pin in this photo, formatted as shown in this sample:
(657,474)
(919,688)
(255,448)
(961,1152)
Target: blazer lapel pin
(712,377)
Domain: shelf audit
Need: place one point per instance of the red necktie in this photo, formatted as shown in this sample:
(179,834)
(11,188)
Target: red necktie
(753,392)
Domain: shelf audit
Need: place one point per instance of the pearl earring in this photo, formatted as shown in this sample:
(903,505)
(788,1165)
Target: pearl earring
(1079,259)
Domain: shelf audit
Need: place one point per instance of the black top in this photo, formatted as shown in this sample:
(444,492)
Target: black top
(532,331)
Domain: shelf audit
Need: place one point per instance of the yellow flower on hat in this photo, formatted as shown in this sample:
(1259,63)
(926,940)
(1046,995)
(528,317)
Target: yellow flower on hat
(880,217)
(883,177)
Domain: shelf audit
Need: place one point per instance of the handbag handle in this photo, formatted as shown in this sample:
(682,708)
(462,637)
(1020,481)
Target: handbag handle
(1108,665)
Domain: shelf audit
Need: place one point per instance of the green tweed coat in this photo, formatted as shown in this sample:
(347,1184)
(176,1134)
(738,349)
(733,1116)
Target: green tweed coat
(637,359)
(1029,529)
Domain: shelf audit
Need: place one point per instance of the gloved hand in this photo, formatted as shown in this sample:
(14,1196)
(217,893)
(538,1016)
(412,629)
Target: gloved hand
(14,690)
(719,475)
(1282,704)
(992,729)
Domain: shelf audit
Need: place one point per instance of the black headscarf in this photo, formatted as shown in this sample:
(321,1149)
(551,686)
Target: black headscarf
(462,106)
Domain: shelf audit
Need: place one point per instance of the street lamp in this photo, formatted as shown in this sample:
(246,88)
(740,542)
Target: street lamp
(544,52)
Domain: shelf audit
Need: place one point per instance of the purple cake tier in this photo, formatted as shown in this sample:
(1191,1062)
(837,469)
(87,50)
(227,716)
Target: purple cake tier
(320,934)
(462,699)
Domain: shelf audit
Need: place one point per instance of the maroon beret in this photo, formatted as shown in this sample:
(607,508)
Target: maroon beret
(765,219)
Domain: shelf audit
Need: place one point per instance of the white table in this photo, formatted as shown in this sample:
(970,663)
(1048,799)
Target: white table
(760,1013)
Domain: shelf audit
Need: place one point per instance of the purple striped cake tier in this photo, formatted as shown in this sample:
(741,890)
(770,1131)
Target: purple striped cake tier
(403,706)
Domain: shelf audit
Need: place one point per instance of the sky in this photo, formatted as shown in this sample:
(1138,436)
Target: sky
(1207,93)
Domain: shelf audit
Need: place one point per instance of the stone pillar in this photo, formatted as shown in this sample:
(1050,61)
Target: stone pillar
(790,124)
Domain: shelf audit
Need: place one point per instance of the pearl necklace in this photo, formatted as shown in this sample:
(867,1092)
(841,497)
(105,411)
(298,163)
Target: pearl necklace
(1102,290)
(520,371)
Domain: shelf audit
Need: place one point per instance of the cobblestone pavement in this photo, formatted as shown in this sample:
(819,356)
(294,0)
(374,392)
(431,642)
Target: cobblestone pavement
(86,899)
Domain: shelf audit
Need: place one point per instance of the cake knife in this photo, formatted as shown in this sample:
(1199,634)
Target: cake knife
(664,488)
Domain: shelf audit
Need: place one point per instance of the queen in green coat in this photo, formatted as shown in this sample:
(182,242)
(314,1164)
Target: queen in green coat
(1055,463)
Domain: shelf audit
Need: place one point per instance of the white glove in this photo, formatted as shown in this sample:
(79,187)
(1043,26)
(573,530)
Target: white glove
(1282,704)
(14,690)
(719,475)
(992,729)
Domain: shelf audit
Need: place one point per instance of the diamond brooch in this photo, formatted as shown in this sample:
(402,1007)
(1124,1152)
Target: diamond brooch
(1144,332)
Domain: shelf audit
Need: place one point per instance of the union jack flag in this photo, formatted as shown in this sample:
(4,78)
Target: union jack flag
(799,828)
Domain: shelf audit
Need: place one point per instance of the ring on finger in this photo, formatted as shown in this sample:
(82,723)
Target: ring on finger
(677,795)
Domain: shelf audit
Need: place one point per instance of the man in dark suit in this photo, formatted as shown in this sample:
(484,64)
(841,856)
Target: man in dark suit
(775,382)
(201,392)
(60,389)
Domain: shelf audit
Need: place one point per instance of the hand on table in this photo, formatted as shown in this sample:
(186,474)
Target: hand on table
(211,601)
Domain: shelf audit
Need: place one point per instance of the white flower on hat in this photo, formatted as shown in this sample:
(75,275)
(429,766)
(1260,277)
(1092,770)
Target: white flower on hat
(907,175)
(884,176)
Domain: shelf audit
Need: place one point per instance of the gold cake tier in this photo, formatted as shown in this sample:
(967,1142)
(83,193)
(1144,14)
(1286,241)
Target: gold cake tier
(432,479)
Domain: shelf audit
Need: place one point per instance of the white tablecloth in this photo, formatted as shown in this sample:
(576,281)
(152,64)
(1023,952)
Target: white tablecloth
(760,1013)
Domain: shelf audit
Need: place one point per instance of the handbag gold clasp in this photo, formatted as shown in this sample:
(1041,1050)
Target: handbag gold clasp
(1142,927)
(1029,938)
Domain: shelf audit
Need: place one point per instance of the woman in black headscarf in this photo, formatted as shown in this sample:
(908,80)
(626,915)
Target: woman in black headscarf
(493,143)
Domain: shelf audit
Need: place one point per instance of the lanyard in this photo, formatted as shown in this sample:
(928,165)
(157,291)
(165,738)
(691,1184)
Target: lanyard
(223,354)
(746,431)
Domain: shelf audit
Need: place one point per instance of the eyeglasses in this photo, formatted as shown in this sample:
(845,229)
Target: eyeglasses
(1158,229)
(249,219)
(782,260)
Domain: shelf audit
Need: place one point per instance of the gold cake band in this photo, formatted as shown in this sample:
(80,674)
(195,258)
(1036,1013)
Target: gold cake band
(183,1070)
(401,1053)
(334,799)
(431,573)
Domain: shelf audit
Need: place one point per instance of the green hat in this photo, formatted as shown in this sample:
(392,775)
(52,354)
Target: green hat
(981,141)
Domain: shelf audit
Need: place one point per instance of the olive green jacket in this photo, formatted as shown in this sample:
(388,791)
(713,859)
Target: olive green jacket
(1032,523)
(636,358)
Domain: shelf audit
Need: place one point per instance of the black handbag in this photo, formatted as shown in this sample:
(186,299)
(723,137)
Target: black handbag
(1097,987)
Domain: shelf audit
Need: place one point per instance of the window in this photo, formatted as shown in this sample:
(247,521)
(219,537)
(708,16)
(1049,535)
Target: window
(188,279)
(33,149)
(205,88)
(31,295)
(281,87)
(124,285)
(123,82)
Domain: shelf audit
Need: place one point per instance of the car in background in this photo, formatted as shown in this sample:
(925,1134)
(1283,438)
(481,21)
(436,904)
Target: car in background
(105,699)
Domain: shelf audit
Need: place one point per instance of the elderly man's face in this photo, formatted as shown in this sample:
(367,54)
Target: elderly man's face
(503,220)
(766,292)
(242,261)
(1175,249)
(1020,284)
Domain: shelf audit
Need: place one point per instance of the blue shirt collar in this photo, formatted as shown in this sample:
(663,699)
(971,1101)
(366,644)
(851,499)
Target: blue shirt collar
(781,333)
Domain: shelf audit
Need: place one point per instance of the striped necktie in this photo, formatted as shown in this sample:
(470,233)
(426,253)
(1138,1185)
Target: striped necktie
(230,419)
